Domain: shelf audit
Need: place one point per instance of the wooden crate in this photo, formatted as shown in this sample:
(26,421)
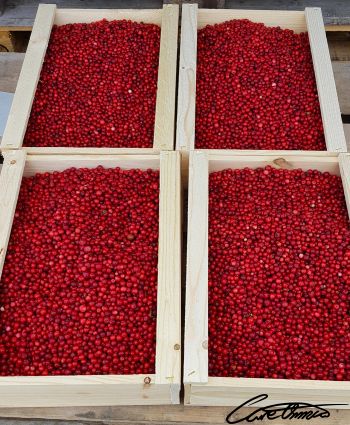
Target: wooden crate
(201,389)
(47,16)
(310,20)
(163,387)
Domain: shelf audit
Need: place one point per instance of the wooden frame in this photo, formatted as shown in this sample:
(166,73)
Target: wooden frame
(163,387)
(201,389)
(310,20)
(47,16)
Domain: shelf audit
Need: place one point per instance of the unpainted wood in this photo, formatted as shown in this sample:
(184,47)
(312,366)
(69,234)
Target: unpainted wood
(49,163)
(168,347)
(325,161)
(164,131)
(157,415)
(294,20)
(186,109)
(234,391)
(28,79)
(310,20)
(196,313)
(101,390)
(71,16)
(10,183)
(327,93)
(164,127)
(34,150)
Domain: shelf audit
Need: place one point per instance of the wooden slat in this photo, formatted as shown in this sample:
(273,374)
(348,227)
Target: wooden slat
(168,348)
(89,390)
(186,109)
(10,183)
(164,127)
(29,77)
(50,163)
(156,415)
(234,391)
(327,93)
(35,150)
(196,314)
(71,16)
(282,18)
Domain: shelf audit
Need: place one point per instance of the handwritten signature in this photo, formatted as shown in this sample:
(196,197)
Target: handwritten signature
(292,410)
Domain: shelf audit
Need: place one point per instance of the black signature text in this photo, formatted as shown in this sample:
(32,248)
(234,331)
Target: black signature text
(292,410)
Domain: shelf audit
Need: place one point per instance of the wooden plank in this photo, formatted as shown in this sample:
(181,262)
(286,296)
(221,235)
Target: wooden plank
(10,68)
(186,109)
(327,93)
(164,127)
(168,348)
(32,150)
(137,415)
(71,16)
(10,183)
(196,314)
(29,77)
(327,162)
(99,390)
(235,391)
(342,79)
(49,163)
(284,19)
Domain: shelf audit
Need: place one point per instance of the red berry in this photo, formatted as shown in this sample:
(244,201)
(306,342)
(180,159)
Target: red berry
(77,296)
(279,275)
(256,89)
(97,87)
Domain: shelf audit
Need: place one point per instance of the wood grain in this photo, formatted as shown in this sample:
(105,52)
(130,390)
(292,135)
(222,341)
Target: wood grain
(196,313)
(168,352)
(10,183)
(327,93)
(164,128)
(186,109)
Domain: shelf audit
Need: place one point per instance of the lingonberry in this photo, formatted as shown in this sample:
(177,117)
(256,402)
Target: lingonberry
(279,275)
(256,89)
(77,295)
(97,87)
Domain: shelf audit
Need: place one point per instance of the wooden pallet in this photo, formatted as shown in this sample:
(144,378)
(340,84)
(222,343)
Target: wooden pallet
(163,387)
(47,16)
(310,20)
(201,389)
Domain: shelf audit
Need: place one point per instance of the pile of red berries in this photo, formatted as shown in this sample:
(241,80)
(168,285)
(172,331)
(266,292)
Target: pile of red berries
(279,275)
(256,89)
(78,291)
(97,87)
